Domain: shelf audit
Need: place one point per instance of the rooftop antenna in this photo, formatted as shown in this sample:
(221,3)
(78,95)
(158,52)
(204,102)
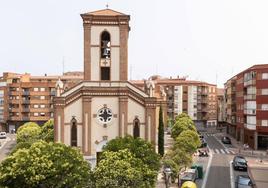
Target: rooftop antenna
(63,66)
(130,70)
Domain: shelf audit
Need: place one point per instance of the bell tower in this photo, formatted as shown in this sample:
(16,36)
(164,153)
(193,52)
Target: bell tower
(105,45)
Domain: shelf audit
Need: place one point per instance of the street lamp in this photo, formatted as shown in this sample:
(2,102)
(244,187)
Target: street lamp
(167,172)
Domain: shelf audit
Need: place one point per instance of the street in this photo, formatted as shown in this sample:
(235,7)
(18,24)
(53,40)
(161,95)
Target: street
(7,145)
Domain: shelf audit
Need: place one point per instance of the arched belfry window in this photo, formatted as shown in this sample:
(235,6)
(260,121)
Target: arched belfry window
(73,132)
(105,45)
(136,128)
(105,53)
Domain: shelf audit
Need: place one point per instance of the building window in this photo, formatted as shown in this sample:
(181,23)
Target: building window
(42,89)
(36,106)
(264,122)
(36,114)
(42,97)
(264,91)
(105,73)
(42,106)
(74,132)
(264,76)
(36,89)
(105,45)
(136,129)
(42,114)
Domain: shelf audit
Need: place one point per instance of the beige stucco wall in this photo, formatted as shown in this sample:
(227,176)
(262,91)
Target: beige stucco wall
(97,30)
(136,109)
(98,130)
(95,63)
(74,109)
(115,69)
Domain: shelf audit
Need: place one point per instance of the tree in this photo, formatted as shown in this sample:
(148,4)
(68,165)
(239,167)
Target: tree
(47,131)
(182,115)
(191,136)
(182,124)
(161,141)
(47,165)
(121,169)
(29,132)
(140,149)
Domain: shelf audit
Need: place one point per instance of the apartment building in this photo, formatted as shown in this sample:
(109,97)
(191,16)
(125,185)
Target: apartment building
(197,99)
(247,106)
(25,98)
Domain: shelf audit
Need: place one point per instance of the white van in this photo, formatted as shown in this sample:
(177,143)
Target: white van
(3,135)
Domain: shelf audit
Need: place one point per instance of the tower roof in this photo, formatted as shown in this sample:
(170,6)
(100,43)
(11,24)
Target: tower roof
(105,12)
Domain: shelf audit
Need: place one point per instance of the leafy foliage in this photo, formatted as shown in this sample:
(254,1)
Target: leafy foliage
(46,165)
(182,124)
(140,149)
(47,131)
(161,150)
(29,132)
(121,169)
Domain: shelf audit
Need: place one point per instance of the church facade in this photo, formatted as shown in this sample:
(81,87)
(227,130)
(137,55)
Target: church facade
(104,105)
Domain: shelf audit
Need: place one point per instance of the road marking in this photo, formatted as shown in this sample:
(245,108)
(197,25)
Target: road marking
(222,151)
(217,151)
(204,183)
(231,175)
(227,151)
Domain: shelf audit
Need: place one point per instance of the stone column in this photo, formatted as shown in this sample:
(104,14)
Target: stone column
(86,128)
(150,124)
(123,116)
(87,51)
(59,120)
(124,52)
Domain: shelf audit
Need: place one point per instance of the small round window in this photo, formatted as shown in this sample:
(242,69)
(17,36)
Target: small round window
(105,115)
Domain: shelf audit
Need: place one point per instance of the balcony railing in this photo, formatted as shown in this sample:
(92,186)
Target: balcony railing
(250,111)
(250,82)
(25,109)
(26,101)
(250,126)
(26,93)
(250,97)
(25,118)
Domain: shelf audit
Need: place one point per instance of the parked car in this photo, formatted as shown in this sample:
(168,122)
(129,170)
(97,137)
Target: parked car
(243,181)
(203,143)
(240,163)
(226,140)
(188,175)
(3,135)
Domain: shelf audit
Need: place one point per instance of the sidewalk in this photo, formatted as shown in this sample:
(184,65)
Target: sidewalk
(238,147)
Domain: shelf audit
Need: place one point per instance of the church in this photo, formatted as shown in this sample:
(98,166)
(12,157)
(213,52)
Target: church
(105,105)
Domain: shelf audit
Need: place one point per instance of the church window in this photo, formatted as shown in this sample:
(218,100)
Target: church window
(74,132)
(105,55)
(136,129)
(105,45)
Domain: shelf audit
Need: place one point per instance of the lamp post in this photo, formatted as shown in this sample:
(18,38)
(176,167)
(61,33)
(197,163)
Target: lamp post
(167,172)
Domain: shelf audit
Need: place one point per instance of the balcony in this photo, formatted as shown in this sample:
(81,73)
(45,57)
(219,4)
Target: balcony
(26,93)
(250,126)
(250,111)
(14,101)
(250,97)
(26,101)
(53,93)
(25,109)
(250,82)
(25,118)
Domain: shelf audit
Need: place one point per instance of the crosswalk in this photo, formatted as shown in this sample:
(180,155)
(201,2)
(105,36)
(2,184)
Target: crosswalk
(222,151)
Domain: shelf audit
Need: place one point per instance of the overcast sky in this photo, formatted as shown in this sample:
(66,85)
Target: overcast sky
(207,40)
